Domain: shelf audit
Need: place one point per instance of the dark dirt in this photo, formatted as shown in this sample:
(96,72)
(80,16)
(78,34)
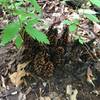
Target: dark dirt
(71,72)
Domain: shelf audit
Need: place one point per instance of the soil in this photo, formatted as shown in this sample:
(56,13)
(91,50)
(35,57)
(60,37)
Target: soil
(55,87)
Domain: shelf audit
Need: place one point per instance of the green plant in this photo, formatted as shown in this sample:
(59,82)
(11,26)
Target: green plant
(90,14)
(25,17)
(72,24)
(95,2)
(87,13)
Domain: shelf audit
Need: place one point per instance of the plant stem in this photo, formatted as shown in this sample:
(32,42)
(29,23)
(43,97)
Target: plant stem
(13,2)
(21,24)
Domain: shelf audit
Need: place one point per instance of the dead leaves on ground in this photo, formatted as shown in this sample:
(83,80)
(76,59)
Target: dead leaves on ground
(71,93)
(90,76)
(51,96)
(44,98)
(96,28)
(16,77)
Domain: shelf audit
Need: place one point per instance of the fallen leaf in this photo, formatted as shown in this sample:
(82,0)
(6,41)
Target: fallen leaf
(72,93)
(16,77)
(96,28)
(22,66)
(21,96)
(69,89)
(90,76)
(86,11)
(44,98)
(41,98)
(54,96)
(3,81)
(96,92)
(47,98)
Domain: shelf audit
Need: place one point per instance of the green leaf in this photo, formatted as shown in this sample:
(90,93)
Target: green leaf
(37,35)
(96,2)
(17,4)
(32,21)
(18,41)
(20,12)
(92,17)
(10,32)
(2,1)
(86,11)
(81,40)
(36,5)
(67,22)
(76,21)
(23,15)
(72,27)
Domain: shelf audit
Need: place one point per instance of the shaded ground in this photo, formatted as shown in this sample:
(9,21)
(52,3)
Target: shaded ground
(55,87)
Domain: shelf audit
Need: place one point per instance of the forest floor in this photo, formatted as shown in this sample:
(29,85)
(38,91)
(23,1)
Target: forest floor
(63,70)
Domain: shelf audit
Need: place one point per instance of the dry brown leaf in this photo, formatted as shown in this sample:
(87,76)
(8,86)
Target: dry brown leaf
(55,96)
(22,66)
(90,76)
(16,77)
(47,98)
(41,98)
(96,28)
(44,98)
(89,72)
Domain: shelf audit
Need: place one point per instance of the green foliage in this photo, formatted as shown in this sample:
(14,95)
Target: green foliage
(17,5)
(72,24)
(23,15)
(67,22)
(3,1)
(18,41)
(27,19)
(34,33)
(93,18)
(10,32)
(72,27)
(32,22)
(36,5)
(81,40)
(88,13)
(91,15)
(96,2)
